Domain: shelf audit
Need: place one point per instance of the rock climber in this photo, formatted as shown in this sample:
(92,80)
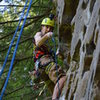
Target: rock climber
(44,56)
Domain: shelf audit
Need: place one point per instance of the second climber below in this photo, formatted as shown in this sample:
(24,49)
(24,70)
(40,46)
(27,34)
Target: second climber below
(44,58)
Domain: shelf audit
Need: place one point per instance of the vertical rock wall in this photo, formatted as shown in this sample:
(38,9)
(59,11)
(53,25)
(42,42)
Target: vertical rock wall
(79,36)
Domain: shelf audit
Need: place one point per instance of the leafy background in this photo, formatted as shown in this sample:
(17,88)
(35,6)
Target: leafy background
(20,85)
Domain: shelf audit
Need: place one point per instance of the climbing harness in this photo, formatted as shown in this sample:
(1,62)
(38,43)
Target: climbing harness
(38,52)
(12,61)
(48,67)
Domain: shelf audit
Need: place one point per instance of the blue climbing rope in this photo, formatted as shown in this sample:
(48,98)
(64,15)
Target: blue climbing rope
(55,58)
(12,61)
(4,64)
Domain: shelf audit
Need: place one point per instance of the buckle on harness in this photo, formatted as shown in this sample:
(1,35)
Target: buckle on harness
(37,63)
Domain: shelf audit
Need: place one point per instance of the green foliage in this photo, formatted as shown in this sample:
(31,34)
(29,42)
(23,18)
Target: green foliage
(20,86)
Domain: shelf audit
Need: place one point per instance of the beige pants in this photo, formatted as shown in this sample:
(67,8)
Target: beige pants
(53,71)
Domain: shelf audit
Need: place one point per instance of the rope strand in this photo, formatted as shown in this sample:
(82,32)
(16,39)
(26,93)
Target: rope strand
(55,57)
(4,64)
(11,65)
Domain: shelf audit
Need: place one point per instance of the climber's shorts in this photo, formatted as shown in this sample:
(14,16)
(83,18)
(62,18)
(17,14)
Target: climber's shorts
(51,69)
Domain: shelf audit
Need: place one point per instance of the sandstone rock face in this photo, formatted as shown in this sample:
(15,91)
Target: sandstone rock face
(79,40)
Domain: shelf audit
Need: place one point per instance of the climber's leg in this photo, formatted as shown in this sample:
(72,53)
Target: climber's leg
(58,88)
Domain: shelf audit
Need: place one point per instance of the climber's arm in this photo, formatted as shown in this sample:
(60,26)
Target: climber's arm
(40,40)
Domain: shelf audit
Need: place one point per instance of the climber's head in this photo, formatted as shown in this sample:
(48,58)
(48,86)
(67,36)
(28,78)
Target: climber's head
(48,24)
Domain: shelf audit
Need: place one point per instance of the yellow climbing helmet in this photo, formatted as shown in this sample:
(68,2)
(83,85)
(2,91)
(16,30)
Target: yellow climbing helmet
(48,21)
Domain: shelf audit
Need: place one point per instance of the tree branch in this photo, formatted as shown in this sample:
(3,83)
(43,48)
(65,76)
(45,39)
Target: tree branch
(18,20)
(17,89)
(21,6)
(27,39)
(18,29)
(18,59)
(37,18)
